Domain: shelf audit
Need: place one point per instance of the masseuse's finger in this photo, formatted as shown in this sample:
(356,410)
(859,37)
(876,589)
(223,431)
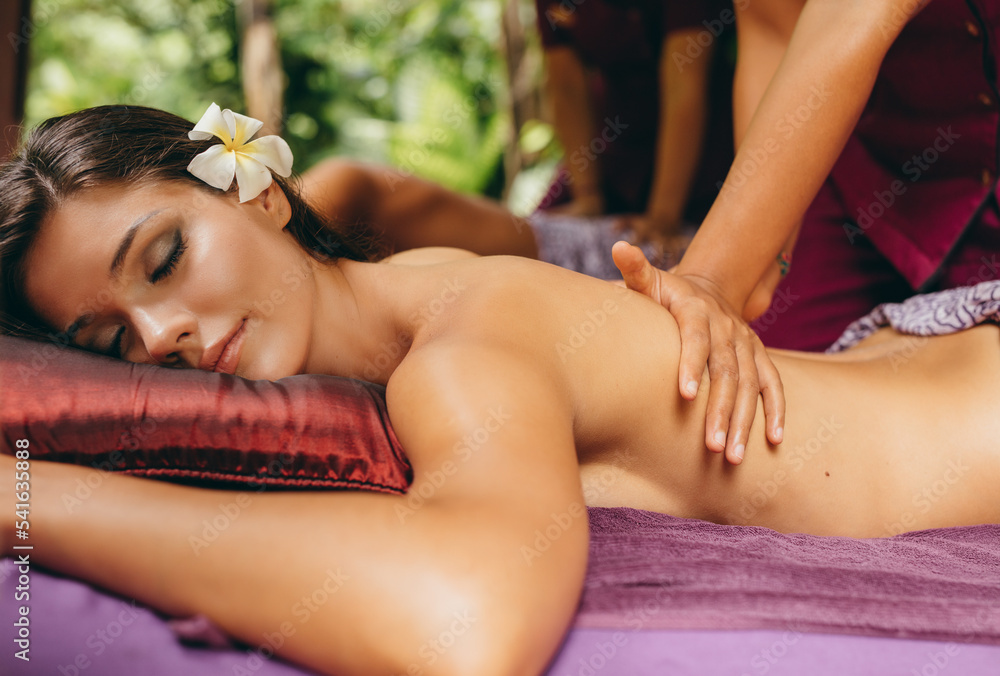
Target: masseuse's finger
(697,352)
(724,375)
(696,345)
(747,392)
(637,272)
(773,392)
(639,275)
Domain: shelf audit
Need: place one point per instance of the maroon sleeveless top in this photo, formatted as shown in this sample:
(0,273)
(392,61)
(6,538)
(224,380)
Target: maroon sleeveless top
(922,162)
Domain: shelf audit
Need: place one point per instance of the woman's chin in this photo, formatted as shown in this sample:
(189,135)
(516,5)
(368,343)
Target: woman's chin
(267,354)
(272,367)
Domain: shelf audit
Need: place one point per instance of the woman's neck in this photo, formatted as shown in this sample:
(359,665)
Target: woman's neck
(362,324)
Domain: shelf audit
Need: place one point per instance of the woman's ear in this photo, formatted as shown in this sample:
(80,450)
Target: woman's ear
(276,204)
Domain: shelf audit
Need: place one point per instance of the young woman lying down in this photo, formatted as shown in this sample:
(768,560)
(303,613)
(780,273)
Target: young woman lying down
(556,376)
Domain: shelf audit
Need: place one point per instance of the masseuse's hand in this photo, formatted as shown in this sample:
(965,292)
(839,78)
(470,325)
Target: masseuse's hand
(713,333)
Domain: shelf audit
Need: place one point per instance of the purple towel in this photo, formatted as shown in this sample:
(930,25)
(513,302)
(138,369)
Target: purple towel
(653,571)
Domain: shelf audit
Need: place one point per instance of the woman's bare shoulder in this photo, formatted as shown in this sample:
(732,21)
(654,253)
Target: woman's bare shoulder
(429,256)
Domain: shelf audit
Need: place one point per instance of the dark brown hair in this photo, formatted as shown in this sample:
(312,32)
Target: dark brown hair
(118,144)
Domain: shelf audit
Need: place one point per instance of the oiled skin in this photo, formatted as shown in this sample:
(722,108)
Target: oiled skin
(897,434)
(509,380)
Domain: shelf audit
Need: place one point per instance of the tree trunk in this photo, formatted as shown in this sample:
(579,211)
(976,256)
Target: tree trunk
(16,28)
(263,79)
(522,84)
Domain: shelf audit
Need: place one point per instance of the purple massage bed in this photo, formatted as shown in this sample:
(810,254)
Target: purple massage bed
(663,596)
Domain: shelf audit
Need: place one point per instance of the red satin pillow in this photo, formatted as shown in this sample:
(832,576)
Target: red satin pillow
(197,427)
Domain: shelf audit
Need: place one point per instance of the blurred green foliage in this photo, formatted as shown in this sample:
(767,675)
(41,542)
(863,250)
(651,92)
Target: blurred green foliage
(418,84)
(178,55)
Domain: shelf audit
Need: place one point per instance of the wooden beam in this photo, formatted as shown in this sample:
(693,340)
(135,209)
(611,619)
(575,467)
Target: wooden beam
(263,78)
(15,29)
(522,84)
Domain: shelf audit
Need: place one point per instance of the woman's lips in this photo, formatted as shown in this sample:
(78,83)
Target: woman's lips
(230,357)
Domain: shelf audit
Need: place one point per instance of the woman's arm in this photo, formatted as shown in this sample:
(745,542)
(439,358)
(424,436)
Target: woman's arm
(450,579)
(513,418)
(409,212)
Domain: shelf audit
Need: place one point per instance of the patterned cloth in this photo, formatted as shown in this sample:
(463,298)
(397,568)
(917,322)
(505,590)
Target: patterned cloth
(932,314)
(584,244)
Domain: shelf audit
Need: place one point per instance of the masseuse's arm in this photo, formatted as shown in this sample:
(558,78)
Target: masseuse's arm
(408,212)
(764,31)
(829,68)
(451,579)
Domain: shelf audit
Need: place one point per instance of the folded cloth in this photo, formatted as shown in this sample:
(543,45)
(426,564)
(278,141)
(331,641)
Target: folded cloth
(929,314)
(653,571)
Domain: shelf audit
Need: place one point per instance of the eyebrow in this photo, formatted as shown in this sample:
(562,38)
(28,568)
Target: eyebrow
(116,266)
(119,260)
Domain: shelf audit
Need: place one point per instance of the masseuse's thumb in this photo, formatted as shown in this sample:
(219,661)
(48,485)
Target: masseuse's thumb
(636,270)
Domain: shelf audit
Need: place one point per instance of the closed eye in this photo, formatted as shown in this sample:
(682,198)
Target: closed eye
(164,270)
(116,345)
(170,263)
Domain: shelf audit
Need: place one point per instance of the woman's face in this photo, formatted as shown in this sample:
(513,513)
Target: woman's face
(169,274)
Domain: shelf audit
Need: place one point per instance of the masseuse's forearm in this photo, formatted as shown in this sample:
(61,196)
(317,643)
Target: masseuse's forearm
(342,582)
(764,31)
(792,142)
(681,133)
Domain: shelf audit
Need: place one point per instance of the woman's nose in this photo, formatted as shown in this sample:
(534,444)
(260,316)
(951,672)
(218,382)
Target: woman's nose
(166,335)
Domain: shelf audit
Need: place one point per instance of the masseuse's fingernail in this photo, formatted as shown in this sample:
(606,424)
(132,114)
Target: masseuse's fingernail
(738,451)
(720,438)
(778,432)
(691,388)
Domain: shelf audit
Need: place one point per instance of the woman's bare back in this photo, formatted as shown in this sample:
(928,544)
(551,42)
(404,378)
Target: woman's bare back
(899,434)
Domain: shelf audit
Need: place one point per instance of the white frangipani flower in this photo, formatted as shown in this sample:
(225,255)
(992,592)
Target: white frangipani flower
(237,156)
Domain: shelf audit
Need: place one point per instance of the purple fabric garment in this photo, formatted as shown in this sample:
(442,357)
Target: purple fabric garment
(833,281)
(923,157)
(931,314)
(654,571)
(910,206)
